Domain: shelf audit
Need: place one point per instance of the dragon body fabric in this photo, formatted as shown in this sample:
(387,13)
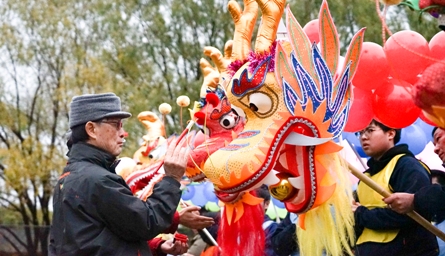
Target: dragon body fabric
(295,97)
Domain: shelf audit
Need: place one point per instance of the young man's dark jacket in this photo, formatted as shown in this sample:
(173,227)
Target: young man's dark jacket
(95,212)
(409,176)
(283,239)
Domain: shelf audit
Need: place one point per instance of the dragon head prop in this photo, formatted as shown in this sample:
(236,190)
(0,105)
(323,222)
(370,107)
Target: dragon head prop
(143,171)
(214,116)
(153,146)
(295,97)
(296,100)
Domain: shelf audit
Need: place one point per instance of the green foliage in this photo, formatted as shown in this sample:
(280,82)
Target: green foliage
(10,217)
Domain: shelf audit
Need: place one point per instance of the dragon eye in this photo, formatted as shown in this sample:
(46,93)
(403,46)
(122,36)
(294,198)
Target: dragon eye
(238,111)
(205,130)
(260,102)
(228,121)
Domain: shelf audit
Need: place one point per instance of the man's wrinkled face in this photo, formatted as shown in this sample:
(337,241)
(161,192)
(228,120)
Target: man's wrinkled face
(110,135)
(439,143)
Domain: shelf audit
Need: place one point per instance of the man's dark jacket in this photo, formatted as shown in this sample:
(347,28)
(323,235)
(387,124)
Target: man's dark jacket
(95,212)
(431,199)
(412,240)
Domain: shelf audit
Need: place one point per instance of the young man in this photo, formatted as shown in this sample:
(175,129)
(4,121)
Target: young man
(381,231)
(429,199)
(95,212)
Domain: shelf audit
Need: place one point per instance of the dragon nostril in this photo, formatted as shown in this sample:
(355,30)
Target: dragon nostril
(253,107)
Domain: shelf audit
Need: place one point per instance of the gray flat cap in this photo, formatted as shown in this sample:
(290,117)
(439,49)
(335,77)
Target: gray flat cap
(92,107)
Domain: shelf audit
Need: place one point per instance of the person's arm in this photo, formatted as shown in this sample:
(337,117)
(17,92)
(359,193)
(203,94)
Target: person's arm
(131,218)
(380,219)
(400,202)
(160,247)
(155,246)
(409,176)
(191,218)
(174,226)
(431,199)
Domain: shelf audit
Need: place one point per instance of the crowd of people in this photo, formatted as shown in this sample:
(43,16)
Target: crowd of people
(95,212)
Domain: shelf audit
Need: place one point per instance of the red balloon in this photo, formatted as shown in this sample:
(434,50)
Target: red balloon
(437,46)
(408,54)
(360,113)
(372,69)
(393,104)
(311,29)
(413,80)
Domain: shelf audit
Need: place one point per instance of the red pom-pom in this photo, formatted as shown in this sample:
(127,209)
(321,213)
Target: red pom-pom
(212,99)
(181,237)
(200,117)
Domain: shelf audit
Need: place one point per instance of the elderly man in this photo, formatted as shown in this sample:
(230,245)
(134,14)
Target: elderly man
(430,198)
(95,212)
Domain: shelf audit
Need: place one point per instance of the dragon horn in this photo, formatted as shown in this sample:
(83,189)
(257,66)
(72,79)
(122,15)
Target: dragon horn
(244,25)
(272,11)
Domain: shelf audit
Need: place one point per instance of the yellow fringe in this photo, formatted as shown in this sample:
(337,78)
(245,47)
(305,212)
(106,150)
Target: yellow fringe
(330,227)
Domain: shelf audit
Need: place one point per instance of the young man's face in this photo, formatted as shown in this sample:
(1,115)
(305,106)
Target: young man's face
(375,142)
(439,143)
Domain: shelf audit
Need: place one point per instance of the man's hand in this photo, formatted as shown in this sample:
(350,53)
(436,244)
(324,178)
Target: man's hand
(355,205)
(176,248)
(175,160)
(190,217)
(400,202)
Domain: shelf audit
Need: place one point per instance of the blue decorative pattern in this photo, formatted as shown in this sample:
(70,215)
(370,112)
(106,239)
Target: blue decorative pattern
(334,95)
(290,97)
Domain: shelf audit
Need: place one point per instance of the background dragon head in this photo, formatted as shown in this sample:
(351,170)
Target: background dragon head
(213,114)
(153,146)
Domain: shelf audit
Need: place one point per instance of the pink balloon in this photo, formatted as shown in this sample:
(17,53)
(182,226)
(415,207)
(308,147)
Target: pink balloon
(360,113)
(437,46)
(408,54)
(393,104)
(311,29)
(372,70)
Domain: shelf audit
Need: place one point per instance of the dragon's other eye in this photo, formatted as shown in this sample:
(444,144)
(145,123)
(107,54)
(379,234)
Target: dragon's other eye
(229,120)
(260,102)
(205,130)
